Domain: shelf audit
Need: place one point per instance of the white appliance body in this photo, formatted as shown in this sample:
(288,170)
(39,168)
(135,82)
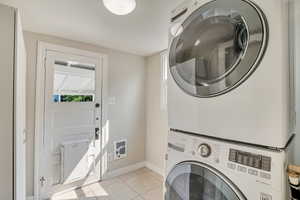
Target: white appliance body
(190,173)
(257,107)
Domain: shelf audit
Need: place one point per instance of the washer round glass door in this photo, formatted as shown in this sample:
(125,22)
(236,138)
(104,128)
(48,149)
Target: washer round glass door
(217,47)
(194,181)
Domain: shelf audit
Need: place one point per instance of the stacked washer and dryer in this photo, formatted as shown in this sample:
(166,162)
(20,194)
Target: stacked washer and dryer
(230,100)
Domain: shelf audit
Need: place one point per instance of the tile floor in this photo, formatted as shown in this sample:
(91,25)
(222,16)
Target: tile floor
(142,184)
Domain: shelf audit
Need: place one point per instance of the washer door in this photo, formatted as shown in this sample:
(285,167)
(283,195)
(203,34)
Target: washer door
(217,47)
(194,181)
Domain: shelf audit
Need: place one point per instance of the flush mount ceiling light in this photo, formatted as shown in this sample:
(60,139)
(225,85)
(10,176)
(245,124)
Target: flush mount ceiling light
(120,7)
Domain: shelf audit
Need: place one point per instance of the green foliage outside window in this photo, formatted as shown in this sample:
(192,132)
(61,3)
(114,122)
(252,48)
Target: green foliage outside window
(73,98)
(76,98)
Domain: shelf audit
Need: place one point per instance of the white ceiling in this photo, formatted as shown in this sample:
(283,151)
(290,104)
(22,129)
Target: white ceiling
(142,32)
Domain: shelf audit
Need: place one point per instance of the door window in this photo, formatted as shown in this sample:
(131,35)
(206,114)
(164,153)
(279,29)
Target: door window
(73,82)
(190,181)
(218,46)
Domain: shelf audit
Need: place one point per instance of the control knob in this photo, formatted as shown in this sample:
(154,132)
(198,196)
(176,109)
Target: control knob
(204,150)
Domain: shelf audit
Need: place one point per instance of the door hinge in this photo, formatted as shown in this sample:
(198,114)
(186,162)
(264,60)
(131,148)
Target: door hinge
(42,181)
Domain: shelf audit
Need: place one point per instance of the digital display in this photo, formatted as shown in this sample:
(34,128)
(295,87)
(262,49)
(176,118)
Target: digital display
(251,160)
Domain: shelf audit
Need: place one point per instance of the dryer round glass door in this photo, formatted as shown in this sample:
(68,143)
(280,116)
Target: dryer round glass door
(194,181)
(218,47)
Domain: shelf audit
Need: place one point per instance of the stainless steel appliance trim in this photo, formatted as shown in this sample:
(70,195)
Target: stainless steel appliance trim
(220,87)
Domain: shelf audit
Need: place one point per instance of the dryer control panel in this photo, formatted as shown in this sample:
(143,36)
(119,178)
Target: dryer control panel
(251,160)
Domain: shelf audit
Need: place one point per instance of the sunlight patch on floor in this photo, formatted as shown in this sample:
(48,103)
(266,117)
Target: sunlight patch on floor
(142,184)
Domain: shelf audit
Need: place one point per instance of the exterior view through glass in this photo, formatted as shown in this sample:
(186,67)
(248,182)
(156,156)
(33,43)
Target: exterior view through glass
(190,181)
(220,44)
(73,82)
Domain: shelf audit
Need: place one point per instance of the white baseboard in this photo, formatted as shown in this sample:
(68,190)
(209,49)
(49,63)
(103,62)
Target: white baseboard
(30,198)
(124,170)
(155,169)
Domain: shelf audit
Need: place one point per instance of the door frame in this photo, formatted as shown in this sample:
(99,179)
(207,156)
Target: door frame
(20,130)
(42,48)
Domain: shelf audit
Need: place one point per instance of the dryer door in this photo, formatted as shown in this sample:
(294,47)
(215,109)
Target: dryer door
(217,47)
(194,181)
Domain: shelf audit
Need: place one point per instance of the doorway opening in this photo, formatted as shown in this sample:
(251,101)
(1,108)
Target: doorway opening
(70,119)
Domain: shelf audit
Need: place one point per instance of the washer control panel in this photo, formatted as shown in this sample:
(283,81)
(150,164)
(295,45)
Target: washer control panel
(251,160)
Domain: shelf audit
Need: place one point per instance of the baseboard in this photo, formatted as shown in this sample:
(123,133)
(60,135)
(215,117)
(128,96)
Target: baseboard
(124,170)
(155,168)
(30,198)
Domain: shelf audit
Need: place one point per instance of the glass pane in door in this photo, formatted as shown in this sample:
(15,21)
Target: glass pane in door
(73,82)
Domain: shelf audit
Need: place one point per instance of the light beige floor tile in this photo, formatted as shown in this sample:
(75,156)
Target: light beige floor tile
(110,181)
(157,176)
(128,176)
(84,192)
(119,191)
(143,183)
(75,194)
(65,196)
(156,194)
(149,172)
(138,198)
(142,171)
(98,189)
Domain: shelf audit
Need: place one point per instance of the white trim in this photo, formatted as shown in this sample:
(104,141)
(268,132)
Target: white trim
(124,170)
(69,50)
(155,168)
(163,80)
(30,198)
(42,48)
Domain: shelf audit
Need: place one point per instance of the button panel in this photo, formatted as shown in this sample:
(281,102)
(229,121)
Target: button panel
(253,172)
(231,166)
(250,160)
(265,164)
(242,169)
(265,175)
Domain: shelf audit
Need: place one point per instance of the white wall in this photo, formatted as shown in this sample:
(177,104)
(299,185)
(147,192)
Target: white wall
(126,79)
(6,105)
(297,67)
(157,125)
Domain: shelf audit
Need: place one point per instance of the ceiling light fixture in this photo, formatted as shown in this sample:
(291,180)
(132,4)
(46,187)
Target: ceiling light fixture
(120,7)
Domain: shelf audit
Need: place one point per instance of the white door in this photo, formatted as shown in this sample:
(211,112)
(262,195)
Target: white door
(72,118)
(20,113)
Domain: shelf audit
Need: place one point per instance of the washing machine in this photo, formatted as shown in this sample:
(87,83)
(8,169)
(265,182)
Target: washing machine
(230,72)
(208,169)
